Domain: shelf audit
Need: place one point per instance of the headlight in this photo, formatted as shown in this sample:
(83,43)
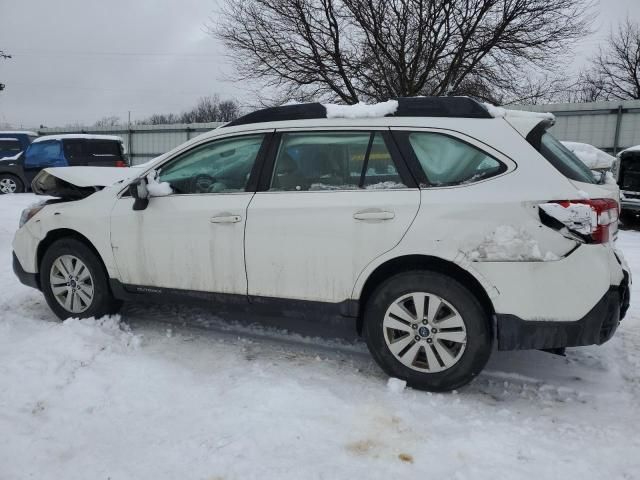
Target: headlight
(29,212)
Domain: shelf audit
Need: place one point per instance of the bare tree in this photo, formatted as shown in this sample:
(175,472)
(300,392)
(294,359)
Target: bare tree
(108,122)
(355,50)
(615,71)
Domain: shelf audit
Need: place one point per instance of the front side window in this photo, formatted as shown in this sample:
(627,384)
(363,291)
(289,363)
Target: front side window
(448,161)
(333,161)
(44,154)
(222,166)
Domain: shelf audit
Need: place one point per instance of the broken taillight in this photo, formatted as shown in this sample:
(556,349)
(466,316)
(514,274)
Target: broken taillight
(594,220)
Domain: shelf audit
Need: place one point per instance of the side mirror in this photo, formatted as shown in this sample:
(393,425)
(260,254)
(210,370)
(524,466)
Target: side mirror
(138,190)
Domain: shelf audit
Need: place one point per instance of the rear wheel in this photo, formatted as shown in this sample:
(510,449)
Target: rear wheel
(74,281)
(428,329)
(10,184)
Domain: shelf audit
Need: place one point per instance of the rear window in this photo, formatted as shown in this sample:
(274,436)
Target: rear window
(104,149)
(564,160)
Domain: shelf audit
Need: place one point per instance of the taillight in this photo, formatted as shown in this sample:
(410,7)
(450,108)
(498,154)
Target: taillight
(120,163)
(595,220)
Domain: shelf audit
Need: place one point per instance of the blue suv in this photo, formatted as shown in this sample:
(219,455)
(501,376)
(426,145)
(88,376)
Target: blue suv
(17,172)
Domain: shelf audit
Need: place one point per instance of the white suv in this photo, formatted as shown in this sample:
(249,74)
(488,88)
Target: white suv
(438,226)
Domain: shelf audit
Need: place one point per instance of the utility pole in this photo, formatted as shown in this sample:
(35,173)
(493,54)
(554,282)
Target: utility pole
(129,142)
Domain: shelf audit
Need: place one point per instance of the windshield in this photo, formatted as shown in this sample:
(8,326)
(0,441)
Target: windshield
(564,160)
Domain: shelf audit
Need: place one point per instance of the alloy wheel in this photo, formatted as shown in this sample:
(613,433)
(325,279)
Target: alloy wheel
(424,332)
(71,283)
(8,185)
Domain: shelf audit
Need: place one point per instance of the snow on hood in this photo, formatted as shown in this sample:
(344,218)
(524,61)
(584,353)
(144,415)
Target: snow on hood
(78,182)
(362,110)
(591,156)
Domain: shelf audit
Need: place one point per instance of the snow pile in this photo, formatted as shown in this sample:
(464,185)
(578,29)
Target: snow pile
(156,188)
(395,385)
(500,112)
(362,110)
(507,243)
(385,185)
(576,216)
(592,157)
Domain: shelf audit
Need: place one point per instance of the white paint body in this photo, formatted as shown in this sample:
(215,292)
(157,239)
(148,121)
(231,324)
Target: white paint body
(311,245)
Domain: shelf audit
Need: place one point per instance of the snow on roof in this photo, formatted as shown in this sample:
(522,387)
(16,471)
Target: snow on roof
(635,148)
(592,157)
(83,136)
(19,132)
(500,112)
(362,110)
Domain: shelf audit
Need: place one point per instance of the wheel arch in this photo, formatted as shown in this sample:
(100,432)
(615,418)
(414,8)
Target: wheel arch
(410,263)
(60,233)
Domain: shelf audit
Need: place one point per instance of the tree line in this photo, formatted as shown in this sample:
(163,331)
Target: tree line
(207,109)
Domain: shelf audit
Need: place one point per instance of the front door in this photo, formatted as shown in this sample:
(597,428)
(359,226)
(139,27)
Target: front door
(333,202)
(192,239)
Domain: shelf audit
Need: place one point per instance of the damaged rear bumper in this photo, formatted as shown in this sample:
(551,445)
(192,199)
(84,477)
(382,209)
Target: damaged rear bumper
(595,328)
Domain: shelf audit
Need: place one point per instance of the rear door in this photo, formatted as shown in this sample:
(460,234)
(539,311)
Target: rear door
(330,202)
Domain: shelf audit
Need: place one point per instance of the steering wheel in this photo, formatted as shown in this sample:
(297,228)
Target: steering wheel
(203,182)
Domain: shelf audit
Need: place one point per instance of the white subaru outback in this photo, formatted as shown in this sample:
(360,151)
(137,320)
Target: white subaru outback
(438,226)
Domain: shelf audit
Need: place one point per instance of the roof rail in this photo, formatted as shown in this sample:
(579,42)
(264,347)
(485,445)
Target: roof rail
(459,107)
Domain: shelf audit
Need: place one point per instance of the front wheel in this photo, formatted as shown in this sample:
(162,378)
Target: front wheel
(10,184)
(74,282)
(428,329)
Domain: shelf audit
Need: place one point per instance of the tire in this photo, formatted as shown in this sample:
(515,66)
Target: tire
(10,184)
(65,256)
(458,337)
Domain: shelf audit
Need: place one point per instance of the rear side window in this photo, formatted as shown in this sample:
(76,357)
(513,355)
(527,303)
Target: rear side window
(448,161)
(564,159)
(10,146)
(334,161)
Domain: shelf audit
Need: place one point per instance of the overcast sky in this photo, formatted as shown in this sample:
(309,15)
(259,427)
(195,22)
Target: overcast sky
(80,60)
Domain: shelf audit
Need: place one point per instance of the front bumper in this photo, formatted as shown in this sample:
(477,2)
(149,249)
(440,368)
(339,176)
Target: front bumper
(29,279)
(595,328)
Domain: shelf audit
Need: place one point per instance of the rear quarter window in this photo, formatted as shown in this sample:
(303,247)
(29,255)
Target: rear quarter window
(449,161)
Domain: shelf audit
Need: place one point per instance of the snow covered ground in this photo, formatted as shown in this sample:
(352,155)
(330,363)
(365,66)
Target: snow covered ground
(148,397)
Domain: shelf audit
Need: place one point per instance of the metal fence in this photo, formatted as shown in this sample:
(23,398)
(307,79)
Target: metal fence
(144,142)
(610,126)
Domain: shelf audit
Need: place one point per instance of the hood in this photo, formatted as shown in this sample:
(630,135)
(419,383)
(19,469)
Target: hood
(73,183)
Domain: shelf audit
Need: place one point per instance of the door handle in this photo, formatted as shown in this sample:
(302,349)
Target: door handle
(374,215)
(226,219)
